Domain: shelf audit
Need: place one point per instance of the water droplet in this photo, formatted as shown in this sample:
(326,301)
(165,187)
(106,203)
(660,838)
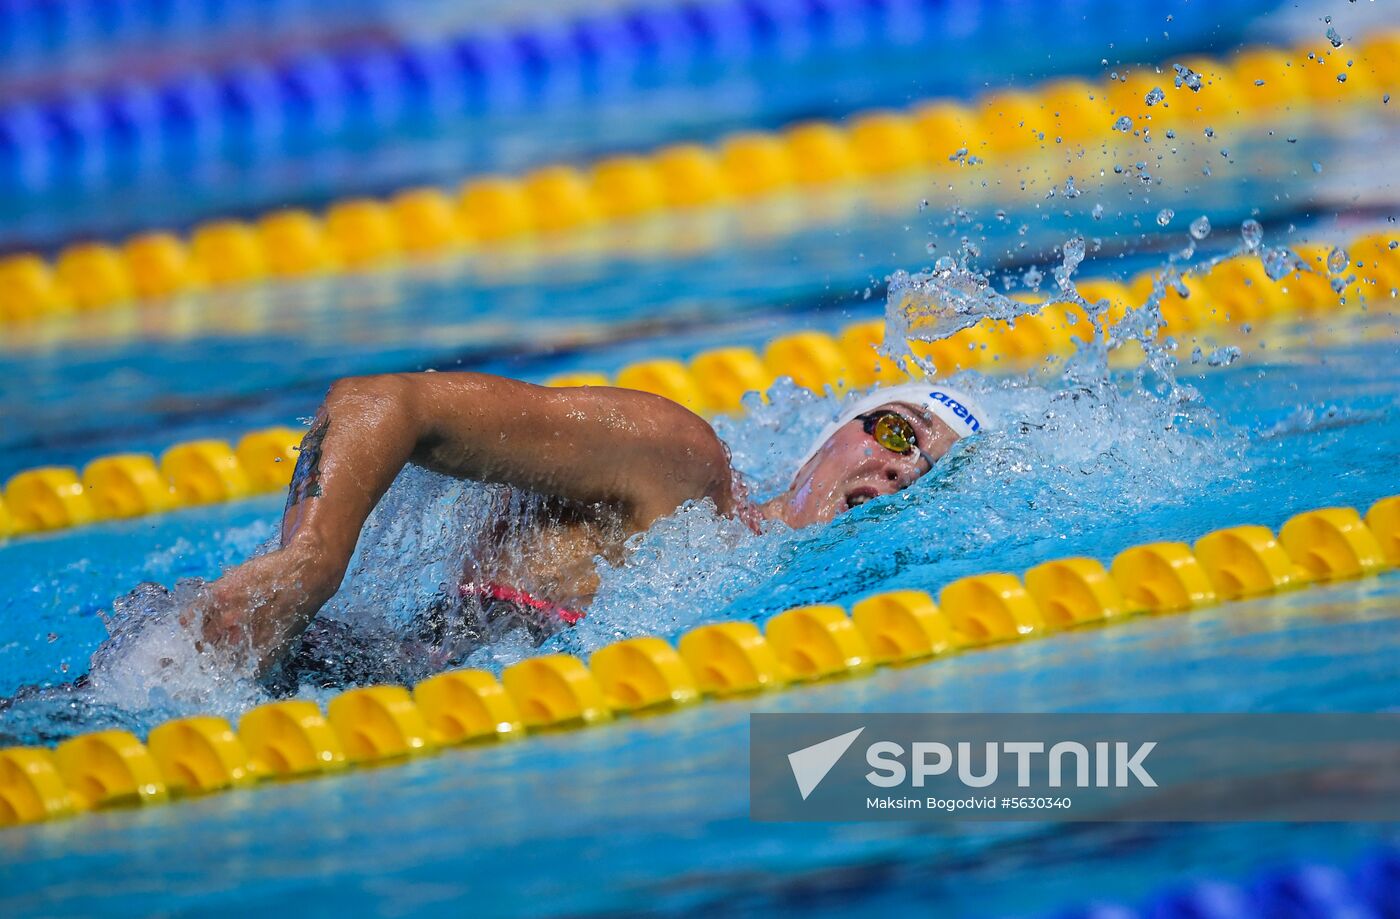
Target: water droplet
(1341,78)
(1154,96)
(931,247)
(1070,190)
(1334,38)
(1258,82)
(1187,77)
(1074,251)
(1210,132)
(1317,168)
(1200,227)
(1032,278)
(1337,260)
(1124,123)
(1171,135)
(1252,233)
(1279,263)
(1096,212)
(1223,357)
(1164,216)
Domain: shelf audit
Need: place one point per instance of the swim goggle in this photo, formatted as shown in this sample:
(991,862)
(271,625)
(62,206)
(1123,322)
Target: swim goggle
(894,432)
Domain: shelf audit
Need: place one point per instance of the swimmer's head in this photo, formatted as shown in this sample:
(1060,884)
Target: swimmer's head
(881,444)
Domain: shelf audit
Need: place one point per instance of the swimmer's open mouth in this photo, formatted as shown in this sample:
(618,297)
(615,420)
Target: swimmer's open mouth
(858,496)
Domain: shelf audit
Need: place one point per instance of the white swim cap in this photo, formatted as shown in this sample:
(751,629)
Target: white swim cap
(952,406)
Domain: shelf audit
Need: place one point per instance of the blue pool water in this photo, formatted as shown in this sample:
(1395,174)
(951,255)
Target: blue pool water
(651,814)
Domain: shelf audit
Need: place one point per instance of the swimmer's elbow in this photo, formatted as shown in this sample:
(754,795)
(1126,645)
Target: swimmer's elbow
(391,390)
(382,399)
(705,458)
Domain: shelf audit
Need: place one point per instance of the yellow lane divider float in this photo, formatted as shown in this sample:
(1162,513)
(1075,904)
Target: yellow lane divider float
(384,724)
(134,484)
(715,381)
(1257,85)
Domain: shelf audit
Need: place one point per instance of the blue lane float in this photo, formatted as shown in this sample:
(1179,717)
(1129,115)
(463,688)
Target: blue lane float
(39,34)
(1368,889)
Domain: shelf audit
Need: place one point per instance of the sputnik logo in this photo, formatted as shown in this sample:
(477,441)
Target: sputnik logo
(811,764)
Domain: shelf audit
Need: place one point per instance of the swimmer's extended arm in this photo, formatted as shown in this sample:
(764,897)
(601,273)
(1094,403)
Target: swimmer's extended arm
(639,452)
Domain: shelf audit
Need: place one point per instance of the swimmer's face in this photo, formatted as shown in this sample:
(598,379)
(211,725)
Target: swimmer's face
(853,467)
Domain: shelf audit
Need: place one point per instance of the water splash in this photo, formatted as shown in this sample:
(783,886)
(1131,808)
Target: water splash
(1187,77)
(410,555)
(1224,356)
(1061,456)
(932,305)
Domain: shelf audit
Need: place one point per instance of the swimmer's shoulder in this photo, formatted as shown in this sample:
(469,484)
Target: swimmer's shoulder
(689,460)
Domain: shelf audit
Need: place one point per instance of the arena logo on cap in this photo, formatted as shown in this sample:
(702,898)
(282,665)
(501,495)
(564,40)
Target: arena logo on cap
(957,408)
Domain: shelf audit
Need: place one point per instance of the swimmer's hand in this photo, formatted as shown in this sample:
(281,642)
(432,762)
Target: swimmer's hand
(258,609)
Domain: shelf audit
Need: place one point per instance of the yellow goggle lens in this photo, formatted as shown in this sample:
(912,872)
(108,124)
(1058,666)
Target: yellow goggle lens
(894,433)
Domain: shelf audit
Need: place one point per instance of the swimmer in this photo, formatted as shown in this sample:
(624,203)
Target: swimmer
(610,462)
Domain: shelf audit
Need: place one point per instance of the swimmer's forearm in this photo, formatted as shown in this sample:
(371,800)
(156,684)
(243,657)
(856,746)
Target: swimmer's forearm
(363,435)
(258,609)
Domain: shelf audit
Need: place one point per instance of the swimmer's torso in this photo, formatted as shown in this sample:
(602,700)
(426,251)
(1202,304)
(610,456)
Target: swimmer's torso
(530,570)
(546,548)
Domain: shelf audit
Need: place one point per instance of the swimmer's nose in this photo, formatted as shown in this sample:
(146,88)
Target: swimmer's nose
(902,475)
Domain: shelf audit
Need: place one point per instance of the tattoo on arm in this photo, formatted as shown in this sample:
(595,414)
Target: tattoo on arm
(306,478)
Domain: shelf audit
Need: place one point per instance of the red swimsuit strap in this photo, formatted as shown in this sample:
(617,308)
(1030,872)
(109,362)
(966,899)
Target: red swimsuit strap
(494,591)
